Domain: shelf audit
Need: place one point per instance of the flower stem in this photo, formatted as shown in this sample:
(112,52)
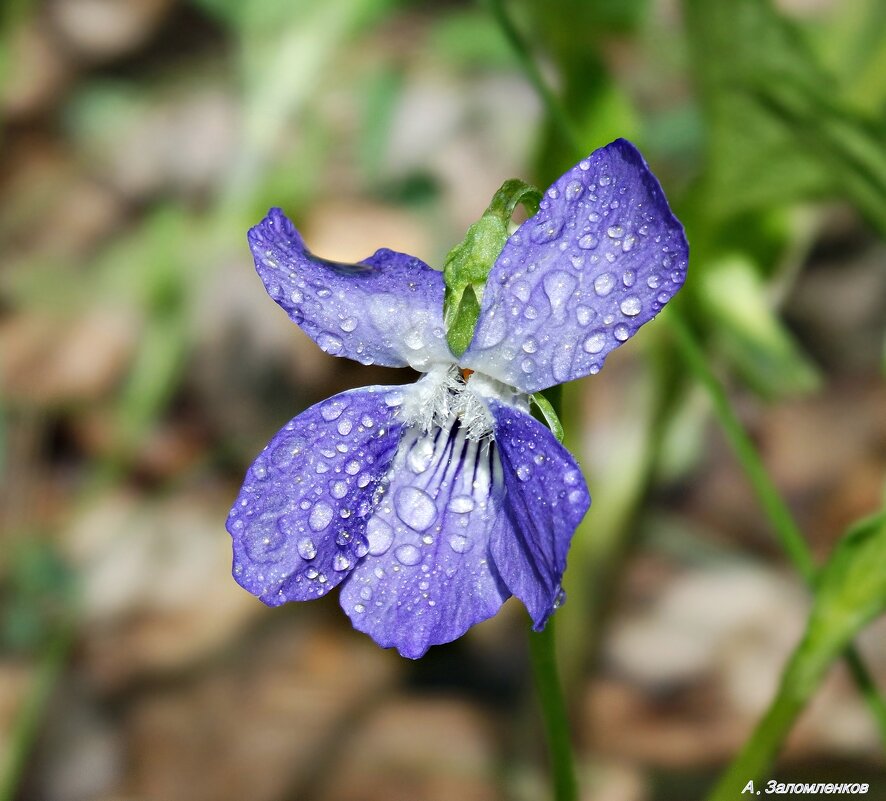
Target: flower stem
(542,651)
(783,524)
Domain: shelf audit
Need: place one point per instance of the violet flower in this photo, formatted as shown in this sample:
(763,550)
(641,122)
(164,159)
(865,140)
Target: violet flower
(432,503)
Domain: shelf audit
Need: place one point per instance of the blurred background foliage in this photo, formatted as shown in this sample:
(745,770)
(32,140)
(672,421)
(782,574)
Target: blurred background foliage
(143,367)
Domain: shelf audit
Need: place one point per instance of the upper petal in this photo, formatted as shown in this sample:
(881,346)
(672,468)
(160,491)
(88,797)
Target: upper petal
(428,577)
(546,498)
(386,310)
(299,521)
(602,256)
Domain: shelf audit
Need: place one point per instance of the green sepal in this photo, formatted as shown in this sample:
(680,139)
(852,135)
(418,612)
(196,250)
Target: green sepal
(468,264)
(550,416)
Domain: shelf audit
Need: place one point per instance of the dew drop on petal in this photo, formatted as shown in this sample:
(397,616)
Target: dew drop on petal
(621,332)
(306,548)
(339,489)
(415,507)
(329,343)
(615,231)
(546,230)
(595,342)
(320,517)
(558,287)
(588,242)
(408,555)
(460,544)
(604,284)
(573,190)
(631,306)
(420,455)
(332,409)
(461,504)
(379,535)
(524,472)
(340,562)
(584,314)
(348,324)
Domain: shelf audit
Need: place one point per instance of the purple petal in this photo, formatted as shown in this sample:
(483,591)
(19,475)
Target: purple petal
(298,524)
(386,310)
(428,577)
(546,499)
(602,256)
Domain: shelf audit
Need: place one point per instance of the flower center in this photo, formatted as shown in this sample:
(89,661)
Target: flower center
(446,393)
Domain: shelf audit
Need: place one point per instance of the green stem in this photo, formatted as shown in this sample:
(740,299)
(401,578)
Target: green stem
(542,651)
(786,530)
(27,723)
(760,750)
(568,132)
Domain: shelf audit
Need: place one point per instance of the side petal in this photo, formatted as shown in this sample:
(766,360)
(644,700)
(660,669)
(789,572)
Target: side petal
(299,521)
(428,577)
(386,310)
(603,255)
(545,501)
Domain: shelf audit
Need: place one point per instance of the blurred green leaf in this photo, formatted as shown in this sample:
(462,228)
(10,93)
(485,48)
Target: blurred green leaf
(850,593)
(778,129)
(749,332)
(469,39)
(380,93)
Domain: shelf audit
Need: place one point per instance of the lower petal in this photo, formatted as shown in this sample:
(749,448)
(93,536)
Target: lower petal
(546,499)
(298,523)
(428,577)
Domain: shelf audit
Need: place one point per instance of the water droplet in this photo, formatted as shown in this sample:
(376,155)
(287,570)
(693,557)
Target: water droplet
(366,593)
(320,517)
(595,342)
(408,555)
(379,535)
(332,409)
(558,287)
(572,477)
(629,278)
(584,314)
(546,230)
(653,281)
(461,504)
(628,243)
(588,242)
(584,165)
(329,343)
(604,284)
(530,345)
(306,548)
(631,306)
(527,365)
(339,489)
(524,471)
(615,231)
(348,324)
(352,467)
(593,217)
(522,290)
(573,190)
(311,573)
(340,562)
(460,544)
(621,332)
(420,455)
(414,339)
(359,608)
(605,180)
(415,507)
(364,480)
